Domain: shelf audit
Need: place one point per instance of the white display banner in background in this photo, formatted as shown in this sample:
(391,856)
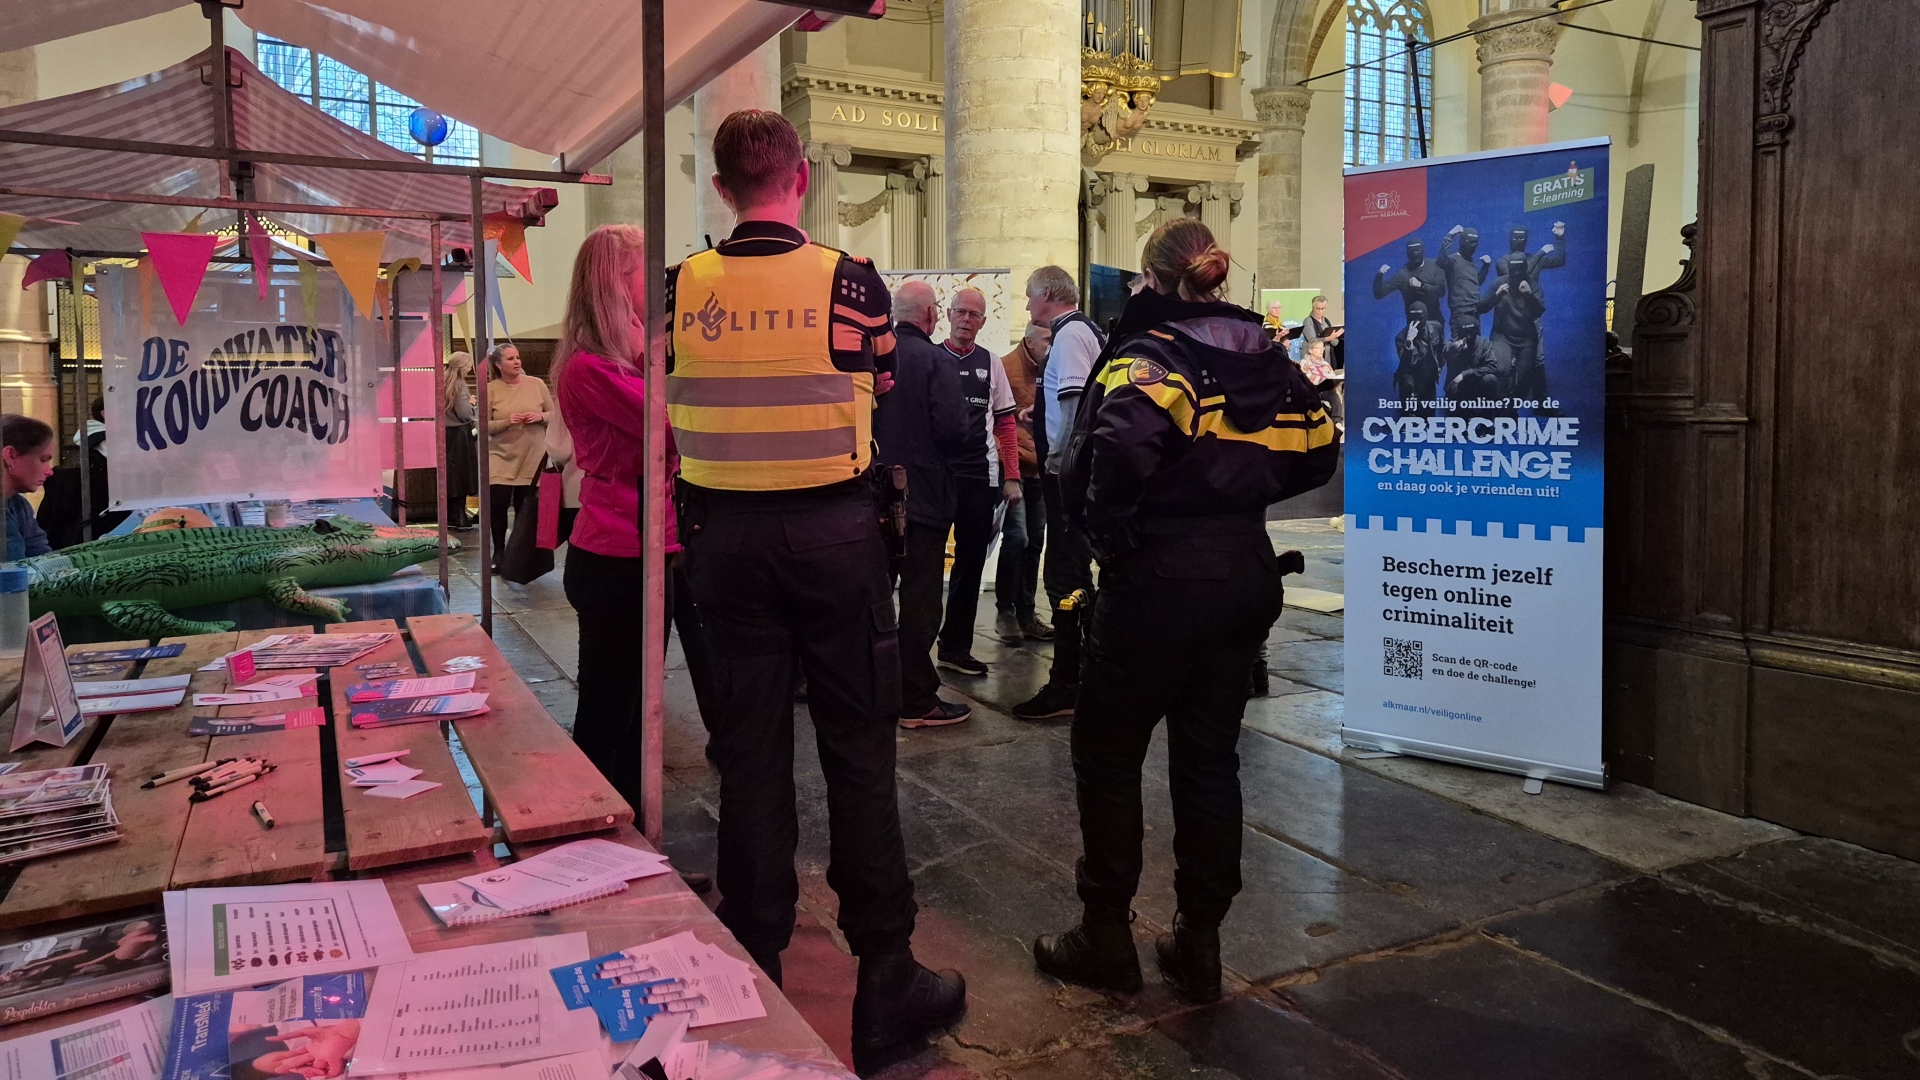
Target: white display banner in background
(251,399)
(996,285)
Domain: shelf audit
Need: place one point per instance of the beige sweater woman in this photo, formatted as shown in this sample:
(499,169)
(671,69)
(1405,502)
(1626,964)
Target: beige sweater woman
(514,450)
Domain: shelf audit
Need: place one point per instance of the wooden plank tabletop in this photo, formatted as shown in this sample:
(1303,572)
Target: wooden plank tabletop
(135,870)
(538,782)
(387,832)
(224,843)
(41,756)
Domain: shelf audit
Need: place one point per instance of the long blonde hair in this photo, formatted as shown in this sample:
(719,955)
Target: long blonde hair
(459,366)
(600,300)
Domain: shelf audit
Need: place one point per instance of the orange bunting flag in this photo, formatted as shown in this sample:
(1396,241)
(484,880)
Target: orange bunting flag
(511,232)
(356,258)
(10,225)
(180,260)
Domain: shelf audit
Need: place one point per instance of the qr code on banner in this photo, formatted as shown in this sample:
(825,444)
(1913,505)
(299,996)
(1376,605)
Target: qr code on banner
(1405,659)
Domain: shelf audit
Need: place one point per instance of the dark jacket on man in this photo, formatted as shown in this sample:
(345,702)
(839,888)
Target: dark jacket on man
(922,423)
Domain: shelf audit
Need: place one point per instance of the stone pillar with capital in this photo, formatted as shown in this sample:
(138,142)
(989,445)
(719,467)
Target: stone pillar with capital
(820,215)
(1516,42)
(1219,204)
(26,364)
(932,174)
(905,208)
(1283,109)
(1013,135)
(1113,197)
(753,83)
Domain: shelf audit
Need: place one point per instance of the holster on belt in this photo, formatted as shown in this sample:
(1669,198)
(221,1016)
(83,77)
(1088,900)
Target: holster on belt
(890,500)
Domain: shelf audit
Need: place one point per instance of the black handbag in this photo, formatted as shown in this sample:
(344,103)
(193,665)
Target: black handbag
(524,560)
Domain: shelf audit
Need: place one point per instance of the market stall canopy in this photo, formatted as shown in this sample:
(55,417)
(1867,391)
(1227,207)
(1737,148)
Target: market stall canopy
(180,106)
(563,79)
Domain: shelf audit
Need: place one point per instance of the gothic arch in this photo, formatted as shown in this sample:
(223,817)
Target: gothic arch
(1290,41)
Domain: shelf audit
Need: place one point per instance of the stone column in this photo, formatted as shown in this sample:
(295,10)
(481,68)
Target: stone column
(904,210)
(1219,205)
(753,83)
(26,364)
(1013,135)
(1113,198)
(625,200)
(932,174)
(1516,59)
(1284,112)
(820,217)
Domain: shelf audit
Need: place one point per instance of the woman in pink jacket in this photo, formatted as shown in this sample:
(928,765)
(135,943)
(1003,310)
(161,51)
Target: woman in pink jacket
(602,400)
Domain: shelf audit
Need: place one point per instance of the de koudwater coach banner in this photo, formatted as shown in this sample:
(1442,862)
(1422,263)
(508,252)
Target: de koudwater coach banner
(253,398)
(1476,343)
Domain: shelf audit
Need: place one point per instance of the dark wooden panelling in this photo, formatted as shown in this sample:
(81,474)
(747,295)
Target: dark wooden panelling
(1836,758)
(1846,500)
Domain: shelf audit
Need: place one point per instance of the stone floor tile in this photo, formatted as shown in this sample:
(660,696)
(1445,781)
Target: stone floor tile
(1447,857)
(1828,1007)
(1476,1010)
(1282,634)
(1022,788)
(1295,911)
(1251,1038)
(1313,622)
(1016,675)
(557,633)
(819,979)
(1002,889)
(1306,717)
(1862,895)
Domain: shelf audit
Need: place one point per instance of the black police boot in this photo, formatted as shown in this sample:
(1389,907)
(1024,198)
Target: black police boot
(1058,698)
(1097,953)
(1260,682)
(1190,960)
(897,1003)
(769,963)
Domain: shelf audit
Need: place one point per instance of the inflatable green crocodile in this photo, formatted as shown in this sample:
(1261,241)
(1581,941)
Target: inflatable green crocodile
(133,581)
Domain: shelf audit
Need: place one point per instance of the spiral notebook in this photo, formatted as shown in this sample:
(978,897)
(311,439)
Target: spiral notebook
(570,874)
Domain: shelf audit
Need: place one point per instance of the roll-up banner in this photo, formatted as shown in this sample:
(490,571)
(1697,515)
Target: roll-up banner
(1476,344)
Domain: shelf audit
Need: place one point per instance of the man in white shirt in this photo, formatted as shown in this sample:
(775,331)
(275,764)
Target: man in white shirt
(1067,572)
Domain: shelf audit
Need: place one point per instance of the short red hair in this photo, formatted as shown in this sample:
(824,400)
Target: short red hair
(756,153)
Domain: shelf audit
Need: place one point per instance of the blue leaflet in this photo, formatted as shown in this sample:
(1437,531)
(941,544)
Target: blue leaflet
(205,1042)
(624,1012)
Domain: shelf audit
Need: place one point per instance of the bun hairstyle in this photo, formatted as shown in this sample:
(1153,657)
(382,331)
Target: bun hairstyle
(1183,257)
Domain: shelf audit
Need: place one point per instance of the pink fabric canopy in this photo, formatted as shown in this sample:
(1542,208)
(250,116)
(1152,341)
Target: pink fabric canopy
(178,105)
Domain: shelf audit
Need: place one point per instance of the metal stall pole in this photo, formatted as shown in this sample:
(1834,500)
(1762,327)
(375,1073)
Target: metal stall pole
(223,91)
(653,502)
(482,344)
(439,405)
(399,402)
(80,399)
(1419,107)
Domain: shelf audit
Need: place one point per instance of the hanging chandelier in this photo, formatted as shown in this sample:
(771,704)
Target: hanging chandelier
(1117,83)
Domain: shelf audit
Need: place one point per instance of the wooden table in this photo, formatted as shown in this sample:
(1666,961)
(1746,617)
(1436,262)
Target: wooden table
(535,783)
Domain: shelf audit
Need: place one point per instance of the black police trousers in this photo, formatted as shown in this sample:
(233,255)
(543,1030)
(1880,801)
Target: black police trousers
(781,577)
(1177,624)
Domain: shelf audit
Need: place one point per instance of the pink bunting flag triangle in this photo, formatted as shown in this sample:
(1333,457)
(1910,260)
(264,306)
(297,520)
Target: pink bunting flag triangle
(48,266)
(180,261)
(260,250)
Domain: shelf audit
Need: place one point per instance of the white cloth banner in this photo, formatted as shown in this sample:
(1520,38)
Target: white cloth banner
(251,399)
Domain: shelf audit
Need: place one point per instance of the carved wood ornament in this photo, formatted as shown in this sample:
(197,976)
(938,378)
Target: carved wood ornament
(1785,26)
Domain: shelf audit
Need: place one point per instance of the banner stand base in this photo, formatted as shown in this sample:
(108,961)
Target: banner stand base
(1479,759)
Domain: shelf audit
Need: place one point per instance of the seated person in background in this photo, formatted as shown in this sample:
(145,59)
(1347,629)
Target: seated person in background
(26,460)
(1313,363)
(59,512)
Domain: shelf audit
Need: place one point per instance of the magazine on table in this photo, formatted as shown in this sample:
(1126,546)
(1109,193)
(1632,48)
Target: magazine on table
(307,1027)
(418,710)
(394,689)
(107,959)
(127,1044)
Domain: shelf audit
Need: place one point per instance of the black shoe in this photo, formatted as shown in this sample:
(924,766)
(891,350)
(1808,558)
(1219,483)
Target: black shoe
(1096,954)
(1260,683)
(897,1003)
(1053,701)
(1190,961)
(700,883)
(964,663)
(942,714)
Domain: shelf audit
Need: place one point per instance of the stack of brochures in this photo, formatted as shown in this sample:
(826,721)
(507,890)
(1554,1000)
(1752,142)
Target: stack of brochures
(569,874)
(313,650)
(375,714)
(43,973)
(57,810)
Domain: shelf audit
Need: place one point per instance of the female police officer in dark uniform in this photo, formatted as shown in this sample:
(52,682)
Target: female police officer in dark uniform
(1191,426)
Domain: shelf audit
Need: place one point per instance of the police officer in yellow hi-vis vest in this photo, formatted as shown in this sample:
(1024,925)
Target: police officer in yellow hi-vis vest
(775,350)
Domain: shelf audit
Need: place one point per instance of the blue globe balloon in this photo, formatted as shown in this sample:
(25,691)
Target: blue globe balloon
(427,127)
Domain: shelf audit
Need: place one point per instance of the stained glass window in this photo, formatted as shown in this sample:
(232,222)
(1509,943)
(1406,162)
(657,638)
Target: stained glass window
(355,100)
(1383,121)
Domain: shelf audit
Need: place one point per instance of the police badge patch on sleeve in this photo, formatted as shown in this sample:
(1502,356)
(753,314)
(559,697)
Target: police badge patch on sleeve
(1145,373)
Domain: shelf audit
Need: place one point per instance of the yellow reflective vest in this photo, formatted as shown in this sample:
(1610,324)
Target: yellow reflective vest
(755,401)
